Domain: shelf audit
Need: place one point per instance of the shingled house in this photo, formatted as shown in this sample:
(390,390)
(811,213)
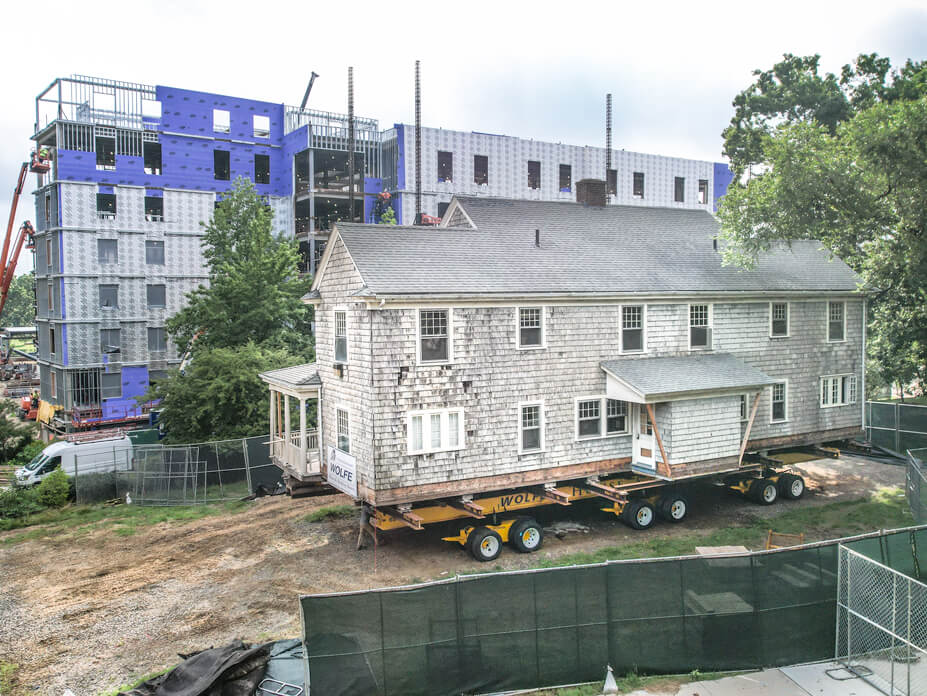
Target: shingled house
(529,342)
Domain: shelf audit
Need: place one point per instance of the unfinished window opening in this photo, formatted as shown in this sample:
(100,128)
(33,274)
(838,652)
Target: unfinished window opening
(836,321)
(107,251)
(106,205)
(343,427)
(154,253)
(700,326)
(49,252)
(442,209)
(221,121)
(262,169)
(51,339)
(85,388)
(779,411)
(110,341)
(341,336)
(260,126)
(111,385)
(632,329)
(531,439)
(703,191)
(612,181)
(157,296)
(155,376)
(480,169)
(157,340)
(680,189)
(154,209)
(445,167)
(779,319)
(589,418)
(637,188)
(109,296)
(530,327)
(152,154)
(47,208)
(616,417)
(221,163)
(433,330)
(50,297)
(838,390)
(566,178)
(534,175)
(151,108)
(105,147)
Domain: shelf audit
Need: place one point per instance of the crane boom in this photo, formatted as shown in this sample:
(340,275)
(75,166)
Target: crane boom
(9,225)
(308,89)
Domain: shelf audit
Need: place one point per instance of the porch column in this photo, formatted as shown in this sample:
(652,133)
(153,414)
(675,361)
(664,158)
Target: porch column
(302,436)
(273,424)
(286,420)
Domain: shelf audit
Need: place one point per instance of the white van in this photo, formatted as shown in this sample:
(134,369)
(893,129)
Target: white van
(96,457)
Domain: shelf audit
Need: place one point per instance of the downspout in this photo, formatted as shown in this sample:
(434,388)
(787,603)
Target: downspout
(863,381)
(373,422)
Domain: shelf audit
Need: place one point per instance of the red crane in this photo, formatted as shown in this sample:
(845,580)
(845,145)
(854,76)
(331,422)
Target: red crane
(39,164)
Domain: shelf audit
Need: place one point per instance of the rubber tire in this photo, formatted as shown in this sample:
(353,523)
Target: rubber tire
(632,514)
(786,484)
(475,544)
(760,486)
(666,505)
(517,530)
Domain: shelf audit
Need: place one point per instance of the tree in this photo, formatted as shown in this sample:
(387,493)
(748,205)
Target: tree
(14,435)
(20,302)
(254,285)
(220,395)
(845,168)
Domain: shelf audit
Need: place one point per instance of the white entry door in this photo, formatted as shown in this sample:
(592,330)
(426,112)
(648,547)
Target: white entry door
(644,440)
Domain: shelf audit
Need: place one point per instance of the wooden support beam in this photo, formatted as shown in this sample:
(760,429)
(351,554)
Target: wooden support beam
(604,491)
(468,507)
(553,494)
(408,518)
(656,432)
(743,445)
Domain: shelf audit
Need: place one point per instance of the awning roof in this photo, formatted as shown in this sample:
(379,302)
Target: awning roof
(298,378)
(646,380)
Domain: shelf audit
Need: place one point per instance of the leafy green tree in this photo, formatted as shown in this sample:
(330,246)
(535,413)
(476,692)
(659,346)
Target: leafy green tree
(844,167)
(14,434)
(220,395)
(20,302)
(388,217)
(254,285)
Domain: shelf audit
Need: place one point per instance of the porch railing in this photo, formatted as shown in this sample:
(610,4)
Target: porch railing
(288,451)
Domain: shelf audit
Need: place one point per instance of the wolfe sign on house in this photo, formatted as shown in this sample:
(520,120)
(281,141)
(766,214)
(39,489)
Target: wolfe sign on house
(342,471)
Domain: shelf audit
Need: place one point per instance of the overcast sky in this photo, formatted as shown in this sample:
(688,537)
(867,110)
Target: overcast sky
(537,70)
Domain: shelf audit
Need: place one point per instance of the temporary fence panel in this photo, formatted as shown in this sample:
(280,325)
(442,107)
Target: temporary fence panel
(881,633)
(916,484)
(896,427)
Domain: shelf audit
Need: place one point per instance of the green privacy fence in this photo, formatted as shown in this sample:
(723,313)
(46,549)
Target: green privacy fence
(520,630)
(896,427)
(916,484)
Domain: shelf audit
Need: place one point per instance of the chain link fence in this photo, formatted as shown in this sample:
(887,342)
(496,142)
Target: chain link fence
(916,484)
(896,427)
(194,474)
(881,625)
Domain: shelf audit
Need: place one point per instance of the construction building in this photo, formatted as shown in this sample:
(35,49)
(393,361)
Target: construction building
(136,173)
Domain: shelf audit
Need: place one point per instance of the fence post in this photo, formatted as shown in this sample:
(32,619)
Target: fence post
(894,631)
(244,451)
(908,636)
(849,615)
(897,427)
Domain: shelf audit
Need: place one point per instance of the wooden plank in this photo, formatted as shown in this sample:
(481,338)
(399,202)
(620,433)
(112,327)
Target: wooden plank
(604,491)
(553,494)
(667,470)
(410,519)
(807,438)
(467,507)
(743,445)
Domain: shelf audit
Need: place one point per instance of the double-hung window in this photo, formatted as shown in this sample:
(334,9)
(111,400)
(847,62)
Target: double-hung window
(341,336)
(632,329)
(700,326)
(838,390)
(779,402)
(599,416)
(530,327)
(531,428)
(343,429)
(778,319)
(434,335)
(435,430)
(836,321)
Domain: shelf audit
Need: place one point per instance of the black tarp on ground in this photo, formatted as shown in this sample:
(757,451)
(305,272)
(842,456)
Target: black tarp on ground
(525,630)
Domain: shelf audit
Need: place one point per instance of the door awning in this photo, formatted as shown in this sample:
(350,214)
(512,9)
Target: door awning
(649,380)
(299,380)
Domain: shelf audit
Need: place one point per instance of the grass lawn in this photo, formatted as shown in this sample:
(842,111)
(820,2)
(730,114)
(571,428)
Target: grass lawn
(916,400)
(331,512)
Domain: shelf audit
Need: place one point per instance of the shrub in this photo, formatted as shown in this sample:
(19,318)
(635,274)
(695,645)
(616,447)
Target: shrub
(54,489)
(27,453)
(18,501)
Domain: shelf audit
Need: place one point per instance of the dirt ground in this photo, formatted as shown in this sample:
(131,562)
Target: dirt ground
(96,611)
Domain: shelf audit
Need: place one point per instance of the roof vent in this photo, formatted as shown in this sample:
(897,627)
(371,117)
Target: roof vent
(592,192)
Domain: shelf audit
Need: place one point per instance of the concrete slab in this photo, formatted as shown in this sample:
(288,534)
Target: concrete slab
(829,679)
(717,550)
(770,682)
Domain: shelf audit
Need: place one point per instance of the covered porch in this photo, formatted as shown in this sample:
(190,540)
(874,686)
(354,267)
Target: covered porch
(687,413)
(295,420)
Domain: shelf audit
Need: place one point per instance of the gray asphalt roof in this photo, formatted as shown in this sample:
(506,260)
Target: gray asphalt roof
(583,250)
(297,376)
(688,373)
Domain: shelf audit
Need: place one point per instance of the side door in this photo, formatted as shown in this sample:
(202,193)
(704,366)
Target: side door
(644,440)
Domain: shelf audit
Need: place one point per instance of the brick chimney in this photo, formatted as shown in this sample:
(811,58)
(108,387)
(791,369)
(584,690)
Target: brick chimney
(592,192)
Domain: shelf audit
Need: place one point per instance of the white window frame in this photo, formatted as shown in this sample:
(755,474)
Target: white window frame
(744,408)
(643,349)
(785,402)
(347,342)
(709,326)
(450,335)
(788,320)
(603,419)
(445,445)
(542,427)
(347,412)
(843,382)
(543,344)
(827,317)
